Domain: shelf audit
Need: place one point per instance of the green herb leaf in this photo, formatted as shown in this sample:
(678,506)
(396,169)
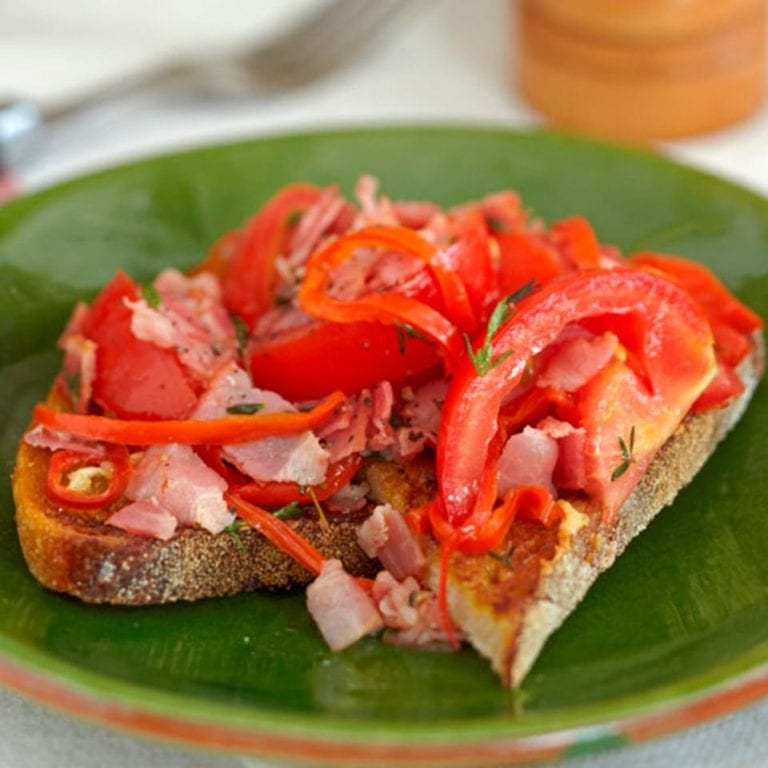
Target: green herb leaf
(151,295)
(244,408)
(483,358)
(242,332)
(288,512)
(627,455)
(233,529)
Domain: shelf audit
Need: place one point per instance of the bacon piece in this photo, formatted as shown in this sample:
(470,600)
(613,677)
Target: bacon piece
(341,608)
(571,469)
(529,458)
(313,225)
(174,477)
(44,437)
(79,355)
(144,518)
(576,360)
(190,319)
(420,417)
(385,535)
(362,422)
(373,210)
(411,611)
(295,458)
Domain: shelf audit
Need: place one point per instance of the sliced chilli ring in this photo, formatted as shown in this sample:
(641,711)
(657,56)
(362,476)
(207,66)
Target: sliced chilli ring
(64,462)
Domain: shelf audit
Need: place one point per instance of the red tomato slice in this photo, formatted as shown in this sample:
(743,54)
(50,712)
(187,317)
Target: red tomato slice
(678,361)
(314,359)
(248,279)
(470,258)
(134,379)
(524,257)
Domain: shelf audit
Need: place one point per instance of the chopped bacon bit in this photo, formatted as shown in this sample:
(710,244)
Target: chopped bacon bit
(341,608)
(385,535)
(145,518)
(529,458)
(577,360)
(176,478)
(295,458)
(410,611)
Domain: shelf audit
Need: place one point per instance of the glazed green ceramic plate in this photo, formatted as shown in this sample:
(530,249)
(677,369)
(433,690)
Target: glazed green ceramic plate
(675,632)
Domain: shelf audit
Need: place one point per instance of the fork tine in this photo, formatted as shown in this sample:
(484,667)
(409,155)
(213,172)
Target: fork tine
(335,32)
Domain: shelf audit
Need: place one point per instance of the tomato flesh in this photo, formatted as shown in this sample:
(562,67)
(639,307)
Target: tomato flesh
(135,379)
(314,359)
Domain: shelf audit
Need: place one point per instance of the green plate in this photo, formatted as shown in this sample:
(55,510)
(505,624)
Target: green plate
(676,632)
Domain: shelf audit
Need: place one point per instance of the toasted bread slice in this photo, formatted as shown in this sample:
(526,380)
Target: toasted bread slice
(508,606)
(78,553)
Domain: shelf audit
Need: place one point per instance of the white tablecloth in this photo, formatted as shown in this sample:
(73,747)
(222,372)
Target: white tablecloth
(446,61)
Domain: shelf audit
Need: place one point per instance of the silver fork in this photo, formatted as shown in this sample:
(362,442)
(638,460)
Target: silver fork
(335,34)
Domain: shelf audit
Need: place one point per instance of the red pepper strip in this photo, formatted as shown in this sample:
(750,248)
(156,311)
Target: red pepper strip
(274,494)
(222,431)
(678,356)
(578,242)
(63,462)
(391,307)
(279,533)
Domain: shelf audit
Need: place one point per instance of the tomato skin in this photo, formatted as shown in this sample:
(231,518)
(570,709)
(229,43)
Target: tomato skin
(134,379)
(526,257)
(471,409)
(314,359)
(470,258)
(248,277)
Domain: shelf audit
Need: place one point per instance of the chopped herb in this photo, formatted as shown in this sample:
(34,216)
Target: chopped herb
(233,529)
(288,512)
(483,359)
(293,218)
(496,224)
(244,408)
(627,455)
(400,338)
(396,420)
(151,295)
(242,332)
(505,558)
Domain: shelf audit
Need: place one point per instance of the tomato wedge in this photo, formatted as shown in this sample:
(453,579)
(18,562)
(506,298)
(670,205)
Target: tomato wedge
(314,359)
(676,354)
(134,379)
(248,277)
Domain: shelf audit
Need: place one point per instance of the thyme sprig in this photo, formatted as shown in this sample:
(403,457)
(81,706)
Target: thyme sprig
(627,455)
(483,359)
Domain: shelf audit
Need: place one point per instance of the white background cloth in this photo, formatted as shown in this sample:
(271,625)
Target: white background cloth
(445,61)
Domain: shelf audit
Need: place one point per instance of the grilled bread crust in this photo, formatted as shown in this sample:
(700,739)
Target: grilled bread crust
(507,610)
(78,553)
